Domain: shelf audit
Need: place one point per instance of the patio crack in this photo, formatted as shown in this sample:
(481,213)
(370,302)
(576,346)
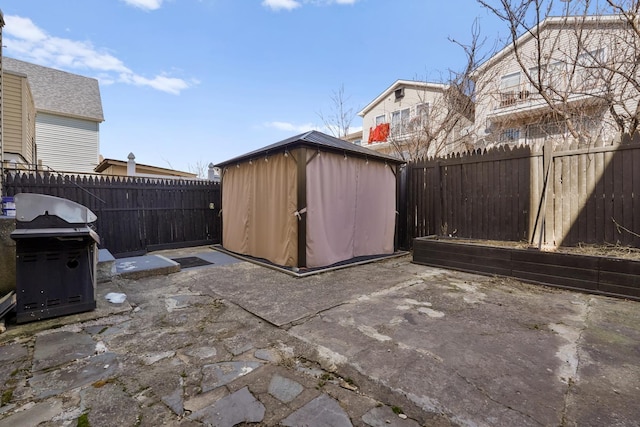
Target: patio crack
(491,398)
(305,319)
(571,380)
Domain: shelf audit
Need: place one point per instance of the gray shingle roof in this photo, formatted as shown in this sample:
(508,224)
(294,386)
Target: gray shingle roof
(313,139)
(59,92)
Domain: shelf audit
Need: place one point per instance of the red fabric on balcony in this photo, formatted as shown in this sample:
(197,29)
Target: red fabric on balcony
(379,133)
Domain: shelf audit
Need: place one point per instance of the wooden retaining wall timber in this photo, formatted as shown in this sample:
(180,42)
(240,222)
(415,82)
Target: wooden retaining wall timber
(615,277)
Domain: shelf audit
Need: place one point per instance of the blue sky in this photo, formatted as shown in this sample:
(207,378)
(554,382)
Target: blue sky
(189,82)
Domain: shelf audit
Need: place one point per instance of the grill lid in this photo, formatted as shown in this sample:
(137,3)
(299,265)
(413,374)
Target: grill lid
(30,206)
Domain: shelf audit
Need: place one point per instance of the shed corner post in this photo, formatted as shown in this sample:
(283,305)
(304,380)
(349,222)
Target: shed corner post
(402,240)
(302,203)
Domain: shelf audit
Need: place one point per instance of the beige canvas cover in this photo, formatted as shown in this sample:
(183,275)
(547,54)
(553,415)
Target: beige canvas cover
(351,204)
(259,202)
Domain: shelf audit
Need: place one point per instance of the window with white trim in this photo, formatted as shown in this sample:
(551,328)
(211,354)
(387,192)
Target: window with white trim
(509,88)
(399,121)
(588,69)
(380,120)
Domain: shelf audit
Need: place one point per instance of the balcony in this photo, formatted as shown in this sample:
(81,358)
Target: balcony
(510,98)
(522,103)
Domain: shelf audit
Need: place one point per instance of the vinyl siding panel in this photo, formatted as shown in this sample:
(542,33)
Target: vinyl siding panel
(67,144)
(18,115)
(12,114)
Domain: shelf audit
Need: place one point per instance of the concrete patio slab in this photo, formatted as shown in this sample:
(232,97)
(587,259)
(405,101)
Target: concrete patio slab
(360,346)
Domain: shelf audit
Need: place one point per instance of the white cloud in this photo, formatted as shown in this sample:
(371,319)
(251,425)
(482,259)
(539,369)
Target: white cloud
(281,4)
(145,4)
(294,4)
(290,127)
(24,40)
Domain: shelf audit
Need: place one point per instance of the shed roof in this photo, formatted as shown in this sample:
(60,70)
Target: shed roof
(59,92)
(315,140)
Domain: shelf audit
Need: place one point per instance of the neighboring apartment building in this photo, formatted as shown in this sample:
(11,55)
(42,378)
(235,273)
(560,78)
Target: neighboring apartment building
(412,119)
(68,113)
(354,137)
(19,125)
(569,81)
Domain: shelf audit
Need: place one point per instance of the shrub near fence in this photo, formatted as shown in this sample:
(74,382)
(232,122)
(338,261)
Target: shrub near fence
(135,215)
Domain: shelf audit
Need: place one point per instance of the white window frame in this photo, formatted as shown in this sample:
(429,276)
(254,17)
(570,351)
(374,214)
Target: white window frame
(400,120)
(588,63)
(510,85)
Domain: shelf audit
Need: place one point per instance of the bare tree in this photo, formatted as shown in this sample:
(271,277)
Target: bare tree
(339,119)
(581,64)
(441,123)
(200,168)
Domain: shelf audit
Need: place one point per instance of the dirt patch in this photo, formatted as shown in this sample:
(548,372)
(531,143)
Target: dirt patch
(603,250)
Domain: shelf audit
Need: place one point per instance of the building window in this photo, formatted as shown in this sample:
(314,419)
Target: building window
(420,118)
(509,88)
(380,120)
(588,69)
(399,121)
(557,73)
(511,135)
(422,111)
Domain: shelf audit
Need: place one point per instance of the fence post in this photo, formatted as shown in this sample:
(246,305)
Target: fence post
(439,200)
(403,240)
(543,226)
(549,212)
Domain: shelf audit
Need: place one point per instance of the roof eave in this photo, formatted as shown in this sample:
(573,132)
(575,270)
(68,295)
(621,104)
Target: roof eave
(505,51)
(394,86)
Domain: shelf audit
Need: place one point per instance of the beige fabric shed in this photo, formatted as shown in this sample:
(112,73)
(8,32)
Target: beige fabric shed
(311,200)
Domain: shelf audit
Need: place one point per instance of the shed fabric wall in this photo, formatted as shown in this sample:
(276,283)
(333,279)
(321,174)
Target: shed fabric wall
(259,201)
(351,206)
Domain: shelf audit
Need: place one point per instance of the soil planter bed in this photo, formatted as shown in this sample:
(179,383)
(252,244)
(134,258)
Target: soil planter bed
(616,277)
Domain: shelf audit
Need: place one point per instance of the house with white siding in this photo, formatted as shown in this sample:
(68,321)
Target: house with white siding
(569,80)
(412,119)
(18,137)
(68,113)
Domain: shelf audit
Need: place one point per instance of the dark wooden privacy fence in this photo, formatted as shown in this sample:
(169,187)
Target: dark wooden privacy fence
(480,195)
(560,197)
(135,215)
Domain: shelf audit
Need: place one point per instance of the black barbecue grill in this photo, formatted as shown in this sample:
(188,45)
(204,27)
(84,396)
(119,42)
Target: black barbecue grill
(56,256)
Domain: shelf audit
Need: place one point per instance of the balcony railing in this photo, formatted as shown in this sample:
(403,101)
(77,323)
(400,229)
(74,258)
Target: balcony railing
(510,98)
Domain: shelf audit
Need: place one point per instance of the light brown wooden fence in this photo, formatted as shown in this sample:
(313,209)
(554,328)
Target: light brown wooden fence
(559,197)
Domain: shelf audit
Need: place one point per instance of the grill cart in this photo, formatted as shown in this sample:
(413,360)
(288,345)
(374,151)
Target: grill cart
(56,257)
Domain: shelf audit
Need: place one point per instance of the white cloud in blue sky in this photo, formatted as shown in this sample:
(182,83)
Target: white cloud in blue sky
(290,127)
(294,4)
(145,4)
(281,4)
(26,40)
